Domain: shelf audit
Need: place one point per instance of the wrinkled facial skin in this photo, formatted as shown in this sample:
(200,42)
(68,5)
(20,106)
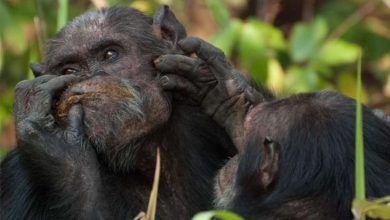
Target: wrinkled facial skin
(120,96)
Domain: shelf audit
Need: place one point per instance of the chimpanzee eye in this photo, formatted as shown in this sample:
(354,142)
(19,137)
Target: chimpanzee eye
(110,54)
(69,71)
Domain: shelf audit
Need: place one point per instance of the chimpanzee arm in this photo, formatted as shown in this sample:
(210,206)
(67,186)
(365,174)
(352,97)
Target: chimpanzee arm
(210,80)
(59,161)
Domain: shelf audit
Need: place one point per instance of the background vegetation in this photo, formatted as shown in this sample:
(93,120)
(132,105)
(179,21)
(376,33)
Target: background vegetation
(291,46)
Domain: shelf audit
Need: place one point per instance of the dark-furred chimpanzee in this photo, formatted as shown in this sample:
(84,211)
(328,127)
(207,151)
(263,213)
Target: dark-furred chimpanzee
(89,124)
(295,155)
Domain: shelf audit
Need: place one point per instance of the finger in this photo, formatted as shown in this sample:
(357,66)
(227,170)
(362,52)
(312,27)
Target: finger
(179,84)
(75,119)
(28,84)
(24,93)
(58,83)
(46,92)
(213,56)
(201,48)
(178,64)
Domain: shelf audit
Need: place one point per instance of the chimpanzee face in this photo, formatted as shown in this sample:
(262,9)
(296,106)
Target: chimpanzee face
(113,50)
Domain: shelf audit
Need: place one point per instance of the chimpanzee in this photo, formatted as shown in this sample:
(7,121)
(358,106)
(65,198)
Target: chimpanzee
(89,124)
(295,155)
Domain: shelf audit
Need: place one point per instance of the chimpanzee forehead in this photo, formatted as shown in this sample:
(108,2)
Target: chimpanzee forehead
(114,18)
(94,28)
(106,22)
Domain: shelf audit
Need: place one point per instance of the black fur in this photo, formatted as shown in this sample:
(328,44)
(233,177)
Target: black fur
(316,132)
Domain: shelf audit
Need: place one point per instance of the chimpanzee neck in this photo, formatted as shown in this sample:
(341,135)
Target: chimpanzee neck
(193,148)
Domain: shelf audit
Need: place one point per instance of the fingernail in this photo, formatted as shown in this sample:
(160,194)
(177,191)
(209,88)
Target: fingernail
(157,61)
(164,80)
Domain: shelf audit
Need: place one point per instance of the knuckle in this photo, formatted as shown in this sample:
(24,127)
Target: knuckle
(23,85)
(26,130)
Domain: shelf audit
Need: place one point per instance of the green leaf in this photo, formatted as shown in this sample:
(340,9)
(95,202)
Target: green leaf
(302,79)
(338,52)
(14,38)
(252,51)
(1,55)
(219,11)
(223,215)
(5,17)
(226,39)
(346,84)
(272,37)
(276,76)
(306,39)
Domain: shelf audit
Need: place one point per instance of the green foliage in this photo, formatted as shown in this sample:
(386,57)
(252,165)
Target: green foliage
(219,11)
(306,39)
(220,214)
(227,38)
(338,52)
(310,59)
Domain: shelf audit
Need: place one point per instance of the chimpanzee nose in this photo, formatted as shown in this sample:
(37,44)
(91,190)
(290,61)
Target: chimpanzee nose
(99,73)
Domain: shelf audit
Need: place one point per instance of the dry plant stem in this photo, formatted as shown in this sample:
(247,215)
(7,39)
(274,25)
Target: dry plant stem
(151,211)
(355,18)
(39,26)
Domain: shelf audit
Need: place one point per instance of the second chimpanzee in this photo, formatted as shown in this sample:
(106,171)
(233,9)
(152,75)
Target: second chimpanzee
(296,155)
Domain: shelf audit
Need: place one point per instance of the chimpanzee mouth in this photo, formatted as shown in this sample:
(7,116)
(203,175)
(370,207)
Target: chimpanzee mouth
(99,96)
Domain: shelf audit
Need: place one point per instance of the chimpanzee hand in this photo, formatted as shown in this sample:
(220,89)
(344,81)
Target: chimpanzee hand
(41,141)
(59,159)
(35,123)
(210,81)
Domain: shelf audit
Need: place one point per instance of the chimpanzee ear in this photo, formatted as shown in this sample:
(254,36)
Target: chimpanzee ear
(166,26)
(269,167)
(37,69)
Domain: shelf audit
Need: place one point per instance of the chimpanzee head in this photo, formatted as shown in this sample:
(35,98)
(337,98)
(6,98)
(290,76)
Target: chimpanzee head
(299,160)
(113,50)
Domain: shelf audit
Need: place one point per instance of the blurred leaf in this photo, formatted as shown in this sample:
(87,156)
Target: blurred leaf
(219,12)
(275,79)
(14,38)
(252,51)
(302,79)
(377,209)
(3,152)
(387,86)
(1,55)
(5,17)
(306,39)
(375,46)
(272,37)
(226,39)
(336,52)
(144,6)
(6,106)
(222,215)
(346,84)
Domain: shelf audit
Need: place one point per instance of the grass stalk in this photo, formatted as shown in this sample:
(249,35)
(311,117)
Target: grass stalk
(359,154)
